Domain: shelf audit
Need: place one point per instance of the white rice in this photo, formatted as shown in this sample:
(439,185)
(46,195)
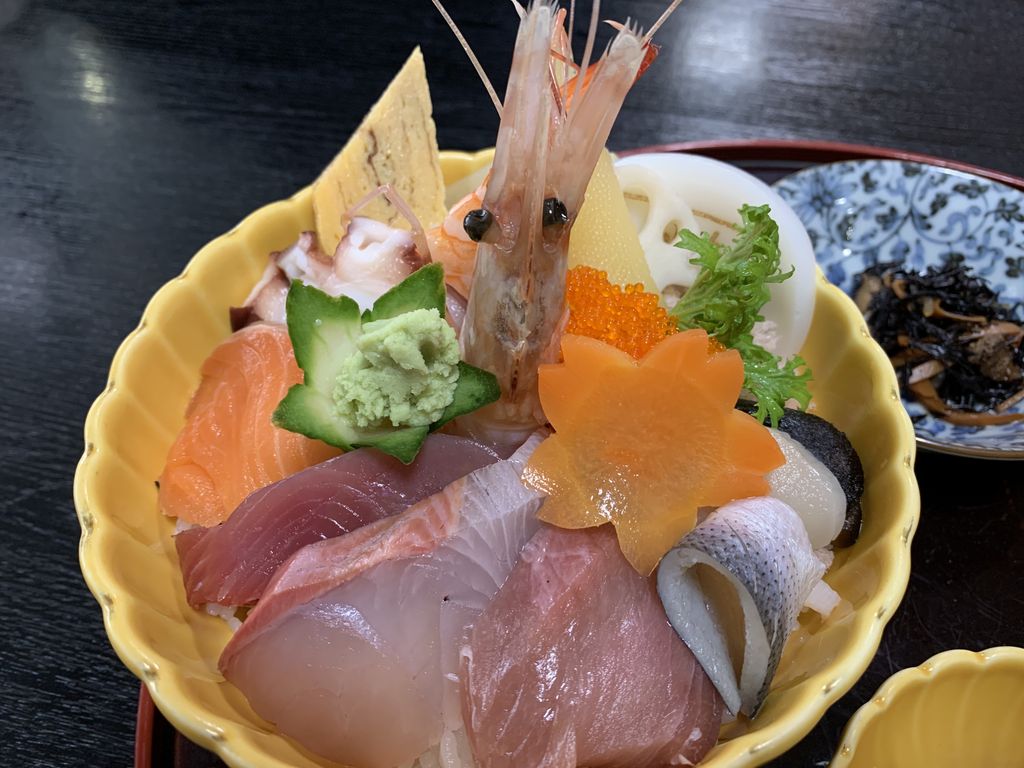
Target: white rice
(453,752)
(226,612)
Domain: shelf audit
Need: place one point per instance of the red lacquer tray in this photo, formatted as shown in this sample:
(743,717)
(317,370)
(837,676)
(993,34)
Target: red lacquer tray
(158,745)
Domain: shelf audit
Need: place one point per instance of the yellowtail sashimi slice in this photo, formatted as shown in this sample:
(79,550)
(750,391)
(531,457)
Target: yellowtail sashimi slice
(733,589)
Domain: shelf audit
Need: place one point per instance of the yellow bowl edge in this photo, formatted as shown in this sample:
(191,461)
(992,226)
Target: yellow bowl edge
(760,745)
(895,687)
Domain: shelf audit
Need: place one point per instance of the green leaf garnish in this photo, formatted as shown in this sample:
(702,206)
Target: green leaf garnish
(726,301)
(773,384)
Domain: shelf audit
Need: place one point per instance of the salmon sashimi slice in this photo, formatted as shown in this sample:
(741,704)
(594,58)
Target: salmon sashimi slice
(232,563)
(353,649)
(574,663)
(228,447)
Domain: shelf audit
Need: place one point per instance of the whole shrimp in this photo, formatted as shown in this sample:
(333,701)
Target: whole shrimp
(549,140)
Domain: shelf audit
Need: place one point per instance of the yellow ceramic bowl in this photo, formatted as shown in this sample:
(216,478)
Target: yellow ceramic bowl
(130,564)
(958,709)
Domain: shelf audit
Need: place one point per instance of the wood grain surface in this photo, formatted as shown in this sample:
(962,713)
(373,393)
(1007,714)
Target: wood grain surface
(132,133)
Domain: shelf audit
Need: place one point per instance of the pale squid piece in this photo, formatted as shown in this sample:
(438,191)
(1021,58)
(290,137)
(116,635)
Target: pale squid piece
(810,488)
(733,589)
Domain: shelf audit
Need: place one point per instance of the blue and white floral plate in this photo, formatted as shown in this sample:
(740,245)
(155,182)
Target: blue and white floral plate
(861,212)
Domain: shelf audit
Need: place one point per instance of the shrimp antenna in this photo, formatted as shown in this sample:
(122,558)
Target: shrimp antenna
(519,8)
(572,22)
(595,12)
(661,20)
(472,56)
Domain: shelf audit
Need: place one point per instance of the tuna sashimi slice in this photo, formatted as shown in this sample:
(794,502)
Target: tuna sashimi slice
(353,649)
(232,563)
(228,446)
(574,663)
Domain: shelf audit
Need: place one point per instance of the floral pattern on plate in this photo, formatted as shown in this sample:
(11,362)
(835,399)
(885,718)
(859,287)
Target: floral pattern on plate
(862,212)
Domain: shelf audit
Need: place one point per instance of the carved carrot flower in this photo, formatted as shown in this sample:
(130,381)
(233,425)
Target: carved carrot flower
(642,444)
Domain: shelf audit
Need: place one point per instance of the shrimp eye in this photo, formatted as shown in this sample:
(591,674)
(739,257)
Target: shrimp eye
(555,212)
(476,223)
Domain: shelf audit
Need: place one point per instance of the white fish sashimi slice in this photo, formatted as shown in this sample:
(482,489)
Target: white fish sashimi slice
(354,647)
(733,589)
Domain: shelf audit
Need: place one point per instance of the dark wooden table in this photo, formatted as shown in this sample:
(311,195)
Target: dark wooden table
(132,133)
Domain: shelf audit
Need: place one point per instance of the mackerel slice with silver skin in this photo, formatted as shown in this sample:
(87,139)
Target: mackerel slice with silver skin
(732,590)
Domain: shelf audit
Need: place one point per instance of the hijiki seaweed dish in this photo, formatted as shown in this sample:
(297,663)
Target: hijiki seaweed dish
(492,482)
(956,348)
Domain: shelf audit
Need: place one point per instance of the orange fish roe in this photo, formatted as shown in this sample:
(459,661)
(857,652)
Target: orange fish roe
(628,318)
